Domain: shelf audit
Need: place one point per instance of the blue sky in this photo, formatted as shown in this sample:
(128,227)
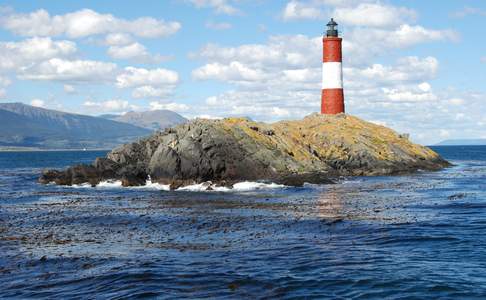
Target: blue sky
(416,66)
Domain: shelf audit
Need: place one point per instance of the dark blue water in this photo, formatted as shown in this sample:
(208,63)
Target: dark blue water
(401,237)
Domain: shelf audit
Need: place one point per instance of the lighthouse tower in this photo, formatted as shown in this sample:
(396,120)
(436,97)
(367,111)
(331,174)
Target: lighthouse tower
(332,97)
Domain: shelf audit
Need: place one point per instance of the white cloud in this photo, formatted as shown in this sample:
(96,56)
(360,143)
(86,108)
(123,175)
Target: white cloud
(280,52)
(136,52)
(292,64)
(483,59)
(75,71)
(425,87)
(148,91)
(350,12)
(154,83)
(407,35)
(218,26)
(409,68)
(135,77)
(220,6)
(300,51)
(118,39)
(408,95)
(115,105)
(264,105)
(295,10)
(374,14)
(177,107)
(361,43)
(233,72)
(83,23)
(22,54)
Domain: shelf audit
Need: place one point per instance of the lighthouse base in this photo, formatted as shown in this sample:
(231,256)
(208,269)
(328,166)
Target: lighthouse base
(332,101)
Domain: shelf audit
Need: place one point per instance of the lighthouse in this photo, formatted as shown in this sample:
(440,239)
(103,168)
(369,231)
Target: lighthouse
(332,96)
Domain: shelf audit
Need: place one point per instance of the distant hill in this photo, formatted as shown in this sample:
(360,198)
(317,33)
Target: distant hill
(154,119)
(27,126)
(462,142)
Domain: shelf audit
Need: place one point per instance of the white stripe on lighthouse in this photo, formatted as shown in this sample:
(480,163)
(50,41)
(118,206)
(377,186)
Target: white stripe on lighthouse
(332,75)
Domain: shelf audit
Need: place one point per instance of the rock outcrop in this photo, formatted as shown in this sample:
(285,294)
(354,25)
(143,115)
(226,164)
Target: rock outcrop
(314,149)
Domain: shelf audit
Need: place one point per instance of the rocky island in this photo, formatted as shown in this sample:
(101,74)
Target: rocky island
(315,149)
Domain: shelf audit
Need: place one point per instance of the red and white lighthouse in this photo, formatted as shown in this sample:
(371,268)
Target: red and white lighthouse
(332,97)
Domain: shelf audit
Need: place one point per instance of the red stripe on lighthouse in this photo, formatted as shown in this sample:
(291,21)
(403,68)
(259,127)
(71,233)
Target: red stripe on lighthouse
(331,50)
(332,96)
(332,101)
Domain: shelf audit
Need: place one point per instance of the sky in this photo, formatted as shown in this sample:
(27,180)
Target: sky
(416,66)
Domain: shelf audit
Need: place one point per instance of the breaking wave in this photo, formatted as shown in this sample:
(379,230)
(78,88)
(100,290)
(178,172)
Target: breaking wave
(244,186)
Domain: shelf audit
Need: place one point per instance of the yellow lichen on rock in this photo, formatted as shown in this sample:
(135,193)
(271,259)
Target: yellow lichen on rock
(320,141)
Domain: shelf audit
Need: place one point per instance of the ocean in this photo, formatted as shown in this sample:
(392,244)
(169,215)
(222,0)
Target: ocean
(398,237)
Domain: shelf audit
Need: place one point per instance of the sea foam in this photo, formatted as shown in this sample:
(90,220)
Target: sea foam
(244,186)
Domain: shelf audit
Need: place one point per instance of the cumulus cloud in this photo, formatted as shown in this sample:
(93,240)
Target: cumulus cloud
(112,106)
(279,52)
(295,10)
(84,23)
(118,39)
(177,107)
(133,77)
(76,71)
(135,52)
(219,6)
(301,51)
(349,12)
(411,68)
(233,72)
(375,15)
(22,54)
(147,91)
(361,43)
(148,82)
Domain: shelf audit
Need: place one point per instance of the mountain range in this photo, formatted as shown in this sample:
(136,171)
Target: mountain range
(28,126)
